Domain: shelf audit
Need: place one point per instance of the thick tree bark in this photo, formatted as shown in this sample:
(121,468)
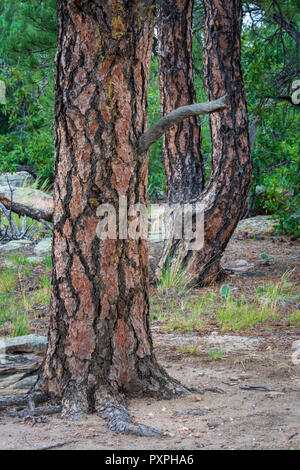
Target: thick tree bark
(225,196)
(144,142)
(99,338)
(182,144)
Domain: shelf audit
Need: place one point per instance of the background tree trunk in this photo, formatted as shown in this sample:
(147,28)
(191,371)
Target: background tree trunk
(225,196)
(182,143)
(99,337)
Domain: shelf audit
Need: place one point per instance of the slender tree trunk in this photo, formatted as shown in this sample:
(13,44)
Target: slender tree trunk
(182,143)
(99,337)
(225,196)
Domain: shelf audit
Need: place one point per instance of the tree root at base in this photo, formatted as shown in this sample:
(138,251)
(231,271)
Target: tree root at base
(30,399)
(120,421)
(40,411)
(110,406)
(117,414)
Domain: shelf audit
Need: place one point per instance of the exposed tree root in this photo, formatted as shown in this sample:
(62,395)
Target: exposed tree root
(40,411)
(77,403)
(55,444)
(30,399)
(119,420)
(32,413)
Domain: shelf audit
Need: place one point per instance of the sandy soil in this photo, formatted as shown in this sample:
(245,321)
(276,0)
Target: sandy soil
(239,417)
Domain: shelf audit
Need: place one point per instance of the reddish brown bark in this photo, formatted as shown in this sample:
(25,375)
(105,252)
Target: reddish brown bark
(99,336)
(182,144)
(225,196)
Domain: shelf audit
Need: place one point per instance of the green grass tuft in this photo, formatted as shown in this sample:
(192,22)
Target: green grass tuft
(21,324)
(8,280)
(216,355)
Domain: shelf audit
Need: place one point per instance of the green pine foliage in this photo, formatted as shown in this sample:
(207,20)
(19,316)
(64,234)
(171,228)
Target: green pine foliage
(28,32)
(27,51)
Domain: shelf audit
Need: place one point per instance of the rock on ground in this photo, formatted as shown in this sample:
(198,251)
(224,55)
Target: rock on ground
(43,247)
(18,179)
(28,196)
(259,225)
(22,344)
(212,342)
(20,359)
(14,245)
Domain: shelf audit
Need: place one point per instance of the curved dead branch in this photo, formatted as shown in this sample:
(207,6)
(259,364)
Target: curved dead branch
(176,116)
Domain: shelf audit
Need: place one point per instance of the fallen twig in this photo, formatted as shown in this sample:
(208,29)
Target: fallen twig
(211,389)
(196,411)
(56,444)
(22,209)
(259,388)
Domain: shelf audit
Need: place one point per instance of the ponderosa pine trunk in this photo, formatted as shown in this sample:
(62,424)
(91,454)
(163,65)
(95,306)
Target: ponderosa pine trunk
(225,196)
(183,161)
(99,337)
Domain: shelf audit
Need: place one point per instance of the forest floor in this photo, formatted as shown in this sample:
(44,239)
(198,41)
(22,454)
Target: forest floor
(236,349)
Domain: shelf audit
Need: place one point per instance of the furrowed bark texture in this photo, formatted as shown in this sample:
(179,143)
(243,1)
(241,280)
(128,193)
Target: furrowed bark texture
(182,143)
(225,196)
(99,336)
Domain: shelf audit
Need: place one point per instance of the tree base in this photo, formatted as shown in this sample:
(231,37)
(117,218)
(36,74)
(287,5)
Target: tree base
(76,403)
(74,407)
(201,268)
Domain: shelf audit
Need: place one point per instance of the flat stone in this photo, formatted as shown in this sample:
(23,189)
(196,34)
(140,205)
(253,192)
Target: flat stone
(241,262)
(215,342)
(259,225)
(27,382)
(16,363)
(18,179)
(20,344)
(6,382)
(43,247)
(14,245)
(231,343)
(30,197)
(240,266)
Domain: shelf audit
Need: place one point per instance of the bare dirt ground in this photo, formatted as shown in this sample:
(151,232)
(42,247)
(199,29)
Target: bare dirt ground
(246,399)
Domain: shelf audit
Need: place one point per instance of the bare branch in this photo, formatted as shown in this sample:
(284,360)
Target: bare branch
(283,98)
(21,209)
(176,116)
(288,27)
